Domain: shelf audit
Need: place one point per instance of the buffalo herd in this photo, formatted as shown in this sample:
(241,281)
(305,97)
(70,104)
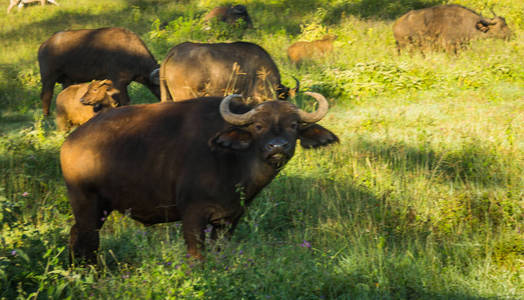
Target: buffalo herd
(221,132)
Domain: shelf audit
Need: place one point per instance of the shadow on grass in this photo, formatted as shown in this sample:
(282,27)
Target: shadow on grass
(473,162)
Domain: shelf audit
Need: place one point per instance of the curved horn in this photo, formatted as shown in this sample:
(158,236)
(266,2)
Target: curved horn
(154,76)
(294,90)
(493,12)
(317,115)
(232,118)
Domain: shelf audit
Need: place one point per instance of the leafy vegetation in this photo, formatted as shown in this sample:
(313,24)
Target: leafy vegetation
(422,199)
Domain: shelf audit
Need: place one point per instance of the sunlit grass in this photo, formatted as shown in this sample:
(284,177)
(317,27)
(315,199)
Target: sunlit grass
(421,199)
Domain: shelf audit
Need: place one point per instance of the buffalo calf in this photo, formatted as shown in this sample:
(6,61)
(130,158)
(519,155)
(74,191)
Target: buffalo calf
(200,161)
(80,102)
(300,51)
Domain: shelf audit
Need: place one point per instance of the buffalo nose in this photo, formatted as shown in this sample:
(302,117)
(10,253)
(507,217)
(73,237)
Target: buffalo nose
(277,144)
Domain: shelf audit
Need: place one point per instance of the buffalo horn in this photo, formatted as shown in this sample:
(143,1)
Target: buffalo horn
(317,115)
(154,76)
(294,91)
(232,118)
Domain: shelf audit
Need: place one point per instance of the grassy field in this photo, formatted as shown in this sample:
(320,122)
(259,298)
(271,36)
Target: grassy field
(422,199)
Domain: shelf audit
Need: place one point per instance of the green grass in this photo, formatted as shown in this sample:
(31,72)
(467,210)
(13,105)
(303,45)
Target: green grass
(422,199)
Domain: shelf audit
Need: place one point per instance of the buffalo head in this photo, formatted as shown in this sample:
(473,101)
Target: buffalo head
(495,27)
(272,128)
(100,94)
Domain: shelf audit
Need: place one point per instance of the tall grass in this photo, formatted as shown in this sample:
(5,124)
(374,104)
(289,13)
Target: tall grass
(422,199)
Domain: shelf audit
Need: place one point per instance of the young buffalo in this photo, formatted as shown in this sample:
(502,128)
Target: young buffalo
(300,51)
(80,102)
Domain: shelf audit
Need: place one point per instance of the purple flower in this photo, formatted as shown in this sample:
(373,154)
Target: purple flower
(240,252)
(168,263)
(25,194)
(305,244)
(208,228)
(125,276)
(105,212)
(102,219)
(13,253)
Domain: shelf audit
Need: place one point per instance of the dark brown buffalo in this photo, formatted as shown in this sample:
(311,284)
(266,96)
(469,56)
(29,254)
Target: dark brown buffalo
(199,161)
(230,14)
(77,56)
(446,27)
(307,50)
(193,70)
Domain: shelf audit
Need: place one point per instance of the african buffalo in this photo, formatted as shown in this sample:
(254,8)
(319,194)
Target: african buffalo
(446,27)
(21,3)
(230,14)
(76,56)
(193,70)
(307,50)
(80,102)
(200,161)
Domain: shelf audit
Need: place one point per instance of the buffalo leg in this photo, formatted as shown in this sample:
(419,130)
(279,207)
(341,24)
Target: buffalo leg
(224,229)
(47,94)
(193,227)
(85,237)
(121,97)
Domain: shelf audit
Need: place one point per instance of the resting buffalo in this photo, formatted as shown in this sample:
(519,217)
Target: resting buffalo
(199,161)
(230,14)
(80,102)
(193,70)
(446,27)
(76,56)
(21,3)
(307,50)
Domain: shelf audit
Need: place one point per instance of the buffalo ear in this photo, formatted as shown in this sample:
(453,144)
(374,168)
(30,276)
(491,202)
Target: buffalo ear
(483,26)
(313,136)
(232,139)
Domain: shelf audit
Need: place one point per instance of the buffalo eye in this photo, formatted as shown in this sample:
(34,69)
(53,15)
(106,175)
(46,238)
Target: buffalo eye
(259,127)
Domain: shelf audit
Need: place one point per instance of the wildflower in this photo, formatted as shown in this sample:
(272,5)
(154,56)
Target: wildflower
(102,219)
(208,229)
(25,194)
(168,263)
(305,244)
(126,276)
(13,253)
(240,252)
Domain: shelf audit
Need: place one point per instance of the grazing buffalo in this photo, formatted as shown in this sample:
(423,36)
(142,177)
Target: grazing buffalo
(21,3)
(76,56)
(307,50)
(200,161)
(230,14)
(193,70)
(80,102)
(446,27)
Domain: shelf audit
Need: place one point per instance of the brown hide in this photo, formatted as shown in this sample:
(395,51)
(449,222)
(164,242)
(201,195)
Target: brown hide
(76,56)
(445,27)
(193,70)
(299,51)
(230,14)
(175,161)
(71,110)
